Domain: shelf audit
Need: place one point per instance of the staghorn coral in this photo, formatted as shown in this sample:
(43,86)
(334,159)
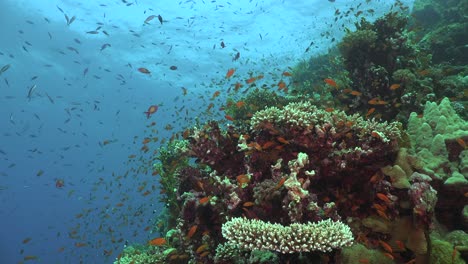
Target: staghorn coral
(324,236)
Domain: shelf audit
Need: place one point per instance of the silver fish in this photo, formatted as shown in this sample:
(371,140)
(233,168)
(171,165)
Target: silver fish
(31,90)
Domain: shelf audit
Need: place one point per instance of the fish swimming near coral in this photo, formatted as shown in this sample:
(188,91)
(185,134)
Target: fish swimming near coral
(151,110)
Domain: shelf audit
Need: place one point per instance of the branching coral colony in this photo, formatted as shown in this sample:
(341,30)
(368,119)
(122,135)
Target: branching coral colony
(290,182)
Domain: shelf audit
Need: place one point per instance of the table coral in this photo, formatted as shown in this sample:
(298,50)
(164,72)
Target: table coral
(322,236)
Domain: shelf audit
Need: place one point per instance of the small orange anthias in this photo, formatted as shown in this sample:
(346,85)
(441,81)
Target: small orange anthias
(151,110)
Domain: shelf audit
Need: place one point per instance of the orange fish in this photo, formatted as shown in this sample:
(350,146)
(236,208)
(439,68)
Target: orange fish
(237,86)
(228,117)
(386,246)
(382,214)
(394,86)
(215,94)
(400,244)
(255,145)
(280,183)
(159,241)
(151,110)
(330,82)
(202,248)
(144,70)
(282,140)
(377,101)
(241,179)
(192,231)
(204,200)
(26,240)
(268,144)
(355,93)
(384,198)
(379,207)
(288,74)
(251,80)
(31,257)
(240,104)
(388,255)
(281,85)
(229,73)
(77,244)
(372,110)
(461,142)
(209,106)
(248,204)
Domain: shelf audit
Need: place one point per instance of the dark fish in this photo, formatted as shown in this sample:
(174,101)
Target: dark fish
(148,19)
(236,57)
(30,92)
(160,19)
(50,98)
(105,46)
(4,68)
(71,20)
(73,49)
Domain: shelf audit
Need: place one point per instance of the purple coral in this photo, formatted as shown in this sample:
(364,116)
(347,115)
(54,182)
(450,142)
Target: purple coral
(423,197)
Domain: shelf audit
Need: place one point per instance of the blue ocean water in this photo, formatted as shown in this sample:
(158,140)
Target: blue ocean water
(73,102)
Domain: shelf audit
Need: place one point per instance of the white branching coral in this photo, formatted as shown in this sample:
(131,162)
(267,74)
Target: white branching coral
(252,234)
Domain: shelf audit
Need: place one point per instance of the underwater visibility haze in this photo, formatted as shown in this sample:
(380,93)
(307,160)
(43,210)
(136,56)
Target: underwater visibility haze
(250,131)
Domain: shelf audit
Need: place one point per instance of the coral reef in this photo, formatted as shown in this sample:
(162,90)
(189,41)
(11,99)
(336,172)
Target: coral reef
(293,179)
